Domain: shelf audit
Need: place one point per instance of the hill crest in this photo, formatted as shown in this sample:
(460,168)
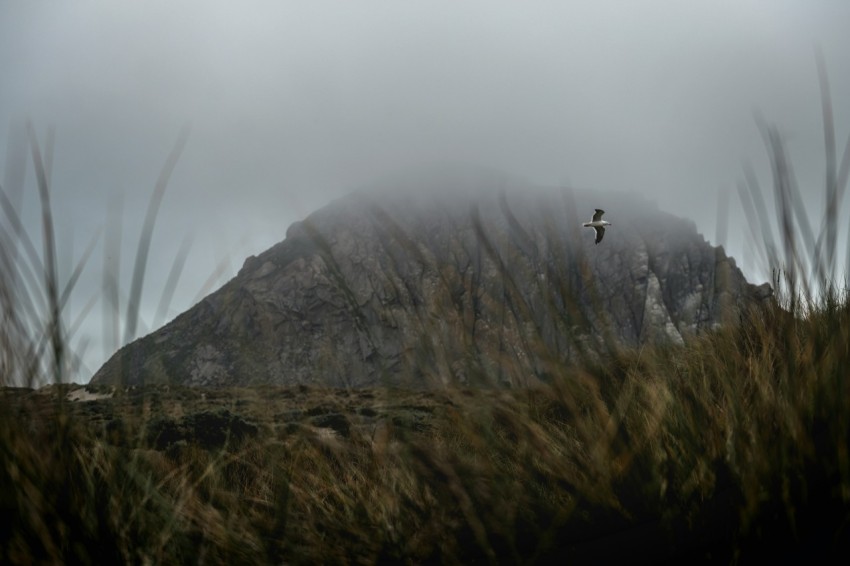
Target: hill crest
(468,284)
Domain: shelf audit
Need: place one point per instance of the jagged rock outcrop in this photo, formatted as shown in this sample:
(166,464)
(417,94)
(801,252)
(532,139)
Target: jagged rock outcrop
(446,282)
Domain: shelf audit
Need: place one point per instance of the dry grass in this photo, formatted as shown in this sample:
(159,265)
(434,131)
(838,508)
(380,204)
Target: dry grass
(719,448)
(734,447)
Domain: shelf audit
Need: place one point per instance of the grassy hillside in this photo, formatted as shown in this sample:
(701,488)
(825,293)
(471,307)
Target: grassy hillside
(735,446)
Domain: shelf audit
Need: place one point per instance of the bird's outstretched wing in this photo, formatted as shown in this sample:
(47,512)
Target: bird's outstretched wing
(597,216)
(600,233)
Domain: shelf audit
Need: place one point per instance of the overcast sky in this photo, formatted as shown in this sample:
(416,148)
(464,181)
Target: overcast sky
(294,104)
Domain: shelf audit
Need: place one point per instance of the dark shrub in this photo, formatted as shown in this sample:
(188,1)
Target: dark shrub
(213,429)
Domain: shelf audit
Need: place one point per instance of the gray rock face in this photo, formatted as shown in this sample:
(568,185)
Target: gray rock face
(463,285)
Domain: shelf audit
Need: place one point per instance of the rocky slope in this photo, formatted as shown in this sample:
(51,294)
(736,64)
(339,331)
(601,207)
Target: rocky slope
(448,280)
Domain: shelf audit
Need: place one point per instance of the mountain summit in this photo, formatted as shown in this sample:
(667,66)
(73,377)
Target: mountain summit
(446,281)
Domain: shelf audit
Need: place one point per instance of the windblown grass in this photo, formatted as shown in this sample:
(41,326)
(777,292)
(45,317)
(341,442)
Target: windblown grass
(735,447)
(716,451)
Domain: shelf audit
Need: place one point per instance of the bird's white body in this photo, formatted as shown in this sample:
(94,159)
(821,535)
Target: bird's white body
(598,224)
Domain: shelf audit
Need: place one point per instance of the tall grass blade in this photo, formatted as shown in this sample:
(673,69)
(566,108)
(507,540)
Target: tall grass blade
(832,193)
(78,270)
(210,281)
(756,211)
(111,307)
(140,266)
(23,281)
(13,182)
(51,283)
(794,220)
(171,282)
(49,147)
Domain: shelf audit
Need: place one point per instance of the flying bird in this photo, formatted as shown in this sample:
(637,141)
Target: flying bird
(598,224)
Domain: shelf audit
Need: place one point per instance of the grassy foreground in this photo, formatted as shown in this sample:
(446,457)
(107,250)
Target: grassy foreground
(735,448)
(732,448)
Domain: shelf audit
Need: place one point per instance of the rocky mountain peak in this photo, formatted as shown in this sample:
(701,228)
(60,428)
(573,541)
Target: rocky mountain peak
(448,280)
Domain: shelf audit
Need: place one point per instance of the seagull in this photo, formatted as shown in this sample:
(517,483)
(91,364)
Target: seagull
(598,224)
